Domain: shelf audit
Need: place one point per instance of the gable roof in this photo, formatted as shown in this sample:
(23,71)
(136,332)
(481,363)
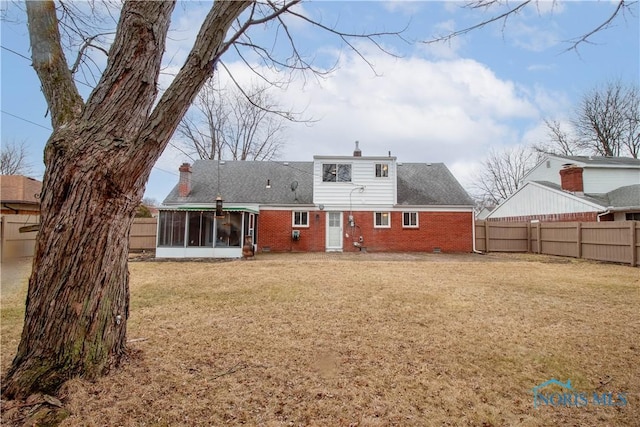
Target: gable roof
(246,181)
(429,184)
(621,199)
(593,161)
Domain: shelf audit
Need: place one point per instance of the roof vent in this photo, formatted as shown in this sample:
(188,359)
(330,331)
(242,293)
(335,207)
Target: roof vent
(357,152)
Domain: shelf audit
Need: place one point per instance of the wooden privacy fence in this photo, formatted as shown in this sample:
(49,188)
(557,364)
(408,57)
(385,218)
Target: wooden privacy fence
(14,244)
(615,241)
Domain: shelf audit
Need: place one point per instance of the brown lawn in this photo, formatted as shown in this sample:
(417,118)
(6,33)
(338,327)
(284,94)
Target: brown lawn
(365,340)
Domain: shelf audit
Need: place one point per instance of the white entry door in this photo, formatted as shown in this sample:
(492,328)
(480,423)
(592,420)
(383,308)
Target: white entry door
(334,231)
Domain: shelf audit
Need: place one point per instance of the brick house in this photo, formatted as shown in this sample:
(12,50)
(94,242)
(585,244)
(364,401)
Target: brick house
(334,203)
(576,188)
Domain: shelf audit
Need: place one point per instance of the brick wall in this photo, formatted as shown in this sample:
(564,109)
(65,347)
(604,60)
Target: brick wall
(565,217)
(275,227)
(449,231)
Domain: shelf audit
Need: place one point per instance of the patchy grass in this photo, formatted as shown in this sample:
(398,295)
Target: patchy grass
(365,340)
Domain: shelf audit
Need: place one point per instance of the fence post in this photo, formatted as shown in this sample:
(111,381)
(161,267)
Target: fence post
(634,260)
(579,239)
(539,236)
(486,236)
(529,237)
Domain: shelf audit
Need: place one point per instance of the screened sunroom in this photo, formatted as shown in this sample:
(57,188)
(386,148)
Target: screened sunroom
(198,233)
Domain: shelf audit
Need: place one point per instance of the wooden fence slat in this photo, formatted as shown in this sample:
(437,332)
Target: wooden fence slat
(603,241)
(15,243)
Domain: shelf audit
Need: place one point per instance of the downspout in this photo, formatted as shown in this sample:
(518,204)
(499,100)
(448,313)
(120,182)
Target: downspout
(473,233)
(607,212)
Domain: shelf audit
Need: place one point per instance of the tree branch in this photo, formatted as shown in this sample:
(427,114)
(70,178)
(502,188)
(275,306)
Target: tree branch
(50,64)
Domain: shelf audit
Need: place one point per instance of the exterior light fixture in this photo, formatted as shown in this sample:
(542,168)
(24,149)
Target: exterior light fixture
(268,184)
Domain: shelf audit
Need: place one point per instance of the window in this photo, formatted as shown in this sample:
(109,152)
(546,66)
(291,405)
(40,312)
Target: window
(410,219)
(382,170)
(171,228)
(382,220)
(300,219)
(336,172)
(632,216)
(200,228)
(228,230)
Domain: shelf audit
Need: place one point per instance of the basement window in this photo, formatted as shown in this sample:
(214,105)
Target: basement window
(381,219)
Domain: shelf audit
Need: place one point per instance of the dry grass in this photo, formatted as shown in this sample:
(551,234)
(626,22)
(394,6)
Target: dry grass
(365,340)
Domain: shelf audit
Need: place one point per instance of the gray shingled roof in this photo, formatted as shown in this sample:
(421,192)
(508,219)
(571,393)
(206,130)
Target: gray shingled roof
(623,197)
(604,161)
(245,182)
(429,184)
(627,196)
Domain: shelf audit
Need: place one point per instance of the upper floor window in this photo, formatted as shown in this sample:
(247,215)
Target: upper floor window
(300,219)
(382,170)
(336,172)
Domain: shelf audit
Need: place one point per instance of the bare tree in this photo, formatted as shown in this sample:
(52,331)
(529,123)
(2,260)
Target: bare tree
(502,173)
(204,126)
(13,159)
(605,123)
(559,141)
(98,159)
(234,123)
(507,9)
(604,120)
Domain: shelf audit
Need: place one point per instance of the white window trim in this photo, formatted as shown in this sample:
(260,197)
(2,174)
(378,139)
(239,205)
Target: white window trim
(381,226)
(338,164)
(293,219)
(417,219)
(375,171)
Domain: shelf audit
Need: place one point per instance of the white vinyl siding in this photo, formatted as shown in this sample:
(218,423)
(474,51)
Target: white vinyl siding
(535,199)
(365,189)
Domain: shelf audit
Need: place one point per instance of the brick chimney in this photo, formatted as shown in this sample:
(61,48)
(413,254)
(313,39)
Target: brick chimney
(571,178)
(184,186)
(357,152)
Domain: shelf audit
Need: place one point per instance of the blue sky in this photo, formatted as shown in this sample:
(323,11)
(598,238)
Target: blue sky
(449,102)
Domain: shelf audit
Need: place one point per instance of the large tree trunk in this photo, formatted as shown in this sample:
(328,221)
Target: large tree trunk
(98,160)
(78,299)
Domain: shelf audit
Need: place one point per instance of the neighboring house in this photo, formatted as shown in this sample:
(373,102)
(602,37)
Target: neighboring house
(576,188)
(19,195)
(335,203)
(484,212)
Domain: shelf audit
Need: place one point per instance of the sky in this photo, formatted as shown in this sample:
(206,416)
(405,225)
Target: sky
(448,102)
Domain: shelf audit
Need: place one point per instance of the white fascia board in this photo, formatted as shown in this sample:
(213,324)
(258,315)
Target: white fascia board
(435,208)
(298,207)
(380,158)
